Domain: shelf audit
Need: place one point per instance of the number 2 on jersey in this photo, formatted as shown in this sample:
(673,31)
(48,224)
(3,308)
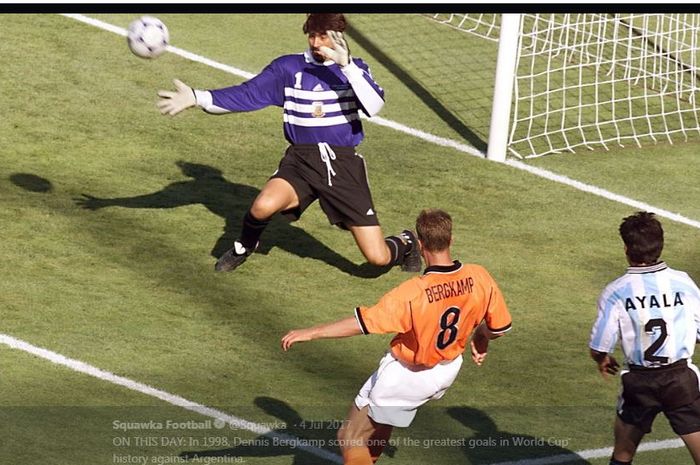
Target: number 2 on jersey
(649,354)
(448,324)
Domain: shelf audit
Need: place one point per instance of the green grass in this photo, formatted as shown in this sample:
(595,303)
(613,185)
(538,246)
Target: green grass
(129,286)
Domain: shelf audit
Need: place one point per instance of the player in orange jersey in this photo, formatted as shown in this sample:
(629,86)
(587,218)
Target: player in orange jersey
(434,316)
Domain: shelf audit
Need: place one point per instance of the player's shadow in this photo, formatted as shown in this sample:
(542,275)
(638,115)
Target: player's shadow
(230,201)
(319,434)
(490,445)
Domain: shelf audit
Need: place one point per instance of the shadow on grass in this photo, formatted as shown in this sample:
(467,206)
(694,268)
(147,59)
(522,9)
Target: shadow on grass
(487,444)
(230,201)
(31,182)
(315,434)
(236,307)
(417,88)
(492,446)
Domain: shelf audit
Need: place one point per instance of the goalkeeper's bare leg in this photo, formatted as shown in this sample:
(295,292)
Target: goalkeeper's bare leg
(401,249)
(278,195)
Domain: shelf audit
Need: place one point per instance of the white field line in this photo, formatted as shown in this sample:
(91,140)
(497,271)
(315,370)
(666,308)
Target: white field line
(222,417)
(239,423)
(442,141)
(594,453)
(465,148)
(677,217)
(177,51)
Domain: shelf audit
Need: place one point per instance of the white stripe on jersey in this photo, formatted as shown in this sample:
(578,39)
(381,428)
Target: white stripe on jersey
(606,329)
(318,95)
(673,345)
(654,310)
(327,108)
(638,338)
(319,122)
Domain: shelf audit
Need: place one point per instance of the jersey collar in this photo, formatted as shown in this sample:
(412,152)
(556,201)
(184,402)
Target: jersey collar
(309,58)
(456,265)
(647,269)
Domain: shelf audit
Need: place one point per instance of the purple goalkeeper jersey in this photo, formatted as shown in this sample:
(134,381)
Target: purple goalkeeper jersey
(320,101)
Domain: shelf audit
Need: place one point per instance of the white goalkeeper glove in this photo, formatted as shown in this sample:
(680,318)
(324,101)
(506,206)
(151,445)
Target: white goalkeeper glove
(172,103)
(340,53)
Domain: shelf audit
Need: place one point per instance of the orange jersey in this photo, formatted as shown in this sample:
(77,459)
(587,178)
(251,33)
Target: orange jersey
(434,314)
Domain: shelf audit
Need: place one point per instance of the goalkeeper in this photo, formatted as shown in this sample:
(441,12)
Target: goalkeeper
(321,92)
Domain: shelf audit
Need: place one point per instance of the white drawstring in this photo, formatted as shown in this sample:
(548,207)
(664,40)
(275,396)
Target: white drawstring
(327,155)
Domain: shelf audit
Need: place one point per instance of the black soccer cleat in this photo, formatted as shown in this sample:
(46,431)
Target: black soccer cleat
(411,259)
(234,257)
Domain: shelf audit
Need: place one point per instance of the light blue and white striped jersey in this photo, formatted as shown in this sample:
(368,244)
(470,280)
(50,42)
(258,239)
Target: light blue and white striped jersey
(320,101)
(654,311)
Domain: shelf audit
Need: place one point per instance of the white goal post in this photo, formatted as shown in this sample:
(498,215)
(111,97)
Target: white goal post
(566,82)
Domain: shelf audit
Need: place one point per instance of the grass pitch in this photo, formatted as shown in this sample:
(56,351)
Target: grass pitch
(128,285)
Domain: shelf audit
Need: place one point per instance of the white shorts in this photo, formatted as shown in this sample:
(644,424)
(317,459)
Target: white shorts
(395,390)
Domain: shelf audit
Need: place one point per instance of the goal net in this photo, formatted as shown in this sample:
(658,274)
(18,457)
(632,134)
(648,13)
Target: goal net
(592,80)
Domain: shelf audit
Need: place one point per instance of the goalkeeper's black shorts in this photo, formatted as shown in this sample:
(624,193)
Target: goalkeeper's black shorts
(336,176)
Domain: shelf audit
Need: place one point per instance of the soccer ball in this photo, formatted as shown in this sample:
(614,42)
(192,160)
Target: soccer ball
(147,37)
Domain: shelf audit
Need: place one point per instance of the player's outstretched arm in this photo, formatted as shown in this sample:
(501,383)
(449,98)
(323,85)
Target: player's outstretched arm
(607,365)
(89,202)
(172,103)
(342,328)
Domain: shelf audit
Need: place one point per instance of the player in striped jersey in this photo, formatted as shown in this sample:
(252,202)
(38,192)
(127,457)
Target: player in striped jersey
(655,312)
(434,315)
(321,92)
